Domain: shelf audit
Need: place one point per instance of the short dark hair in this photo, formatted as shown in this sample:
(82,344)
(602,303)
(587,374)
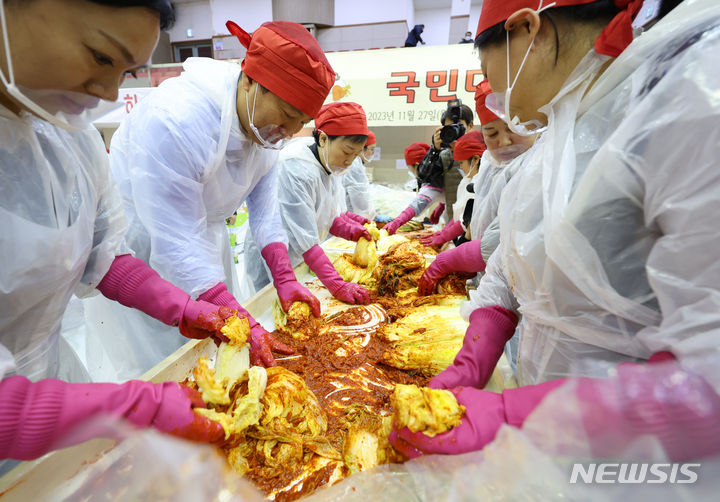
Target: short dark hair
(353,138)
(466,114)
(163,7)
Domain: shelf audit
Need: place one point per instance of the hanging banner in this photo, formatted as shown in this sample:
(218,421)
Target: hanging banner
(409,86)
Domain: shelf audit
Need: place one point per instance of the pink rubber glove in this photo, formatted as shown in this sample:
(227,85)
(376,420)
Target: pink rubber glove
(400,220)
(437,213)
(39,417)
(347,292)
(673,404)
(288,288)
(356,218)
(485,412)
(466,258)
(133,284)
(490,328)
(448,233)
(349,229)
(262,343)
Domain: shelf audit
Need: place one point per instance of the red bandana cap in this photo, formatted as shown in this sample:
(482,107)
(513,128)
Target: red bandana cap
(415,152)
(286,59)
(612,41)
(342,118)
(481,92)
(469,145)
(371,139)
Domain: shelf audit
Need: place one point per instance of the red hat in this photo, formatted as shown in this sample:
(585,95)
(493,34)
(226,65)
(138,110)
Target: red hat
(469,145)
(341,118)
(612,41)
(481,92)
(286,59)
(371,139)
(415,152)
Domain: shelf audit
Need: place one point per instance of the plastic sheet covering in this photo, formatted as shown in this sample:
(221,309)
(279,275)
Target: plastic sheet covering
(148,465)
(390,201)
(62,224)
(357,190)
(535,463)
(616,257)
(489,185)
(183,170)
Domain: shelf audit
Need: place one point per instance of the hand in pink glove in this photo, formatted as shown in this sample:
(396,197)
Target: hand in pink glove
(490,328)
(356,218)
(133,284)
(262,343)
(400,220)
(448,233)
(288,289)
(673,404)
(437,213)
(485,412)
(349,229)
(348,292)
(38,417)
(466,258)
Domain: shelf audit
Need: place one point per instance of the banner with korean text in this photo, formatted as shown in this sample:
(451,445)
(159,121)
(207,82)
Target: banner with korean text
(409,86)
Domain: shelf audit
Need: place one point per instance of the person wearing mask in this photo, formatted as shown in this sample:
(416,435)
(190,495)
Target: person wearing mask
(503,157)
(63,226)
(183,170)
(438,176)
(312,198)
(414,36)
(467,39)
(356,183)
(468,151)
(609,253)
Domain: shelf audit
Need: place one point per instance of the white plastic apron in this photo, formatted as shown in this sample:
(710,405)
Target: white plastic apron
(43,264)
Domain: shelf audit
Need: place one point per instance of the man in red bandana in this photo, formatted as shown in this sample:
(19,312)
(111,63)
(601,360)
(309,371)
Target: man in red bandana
(186,158)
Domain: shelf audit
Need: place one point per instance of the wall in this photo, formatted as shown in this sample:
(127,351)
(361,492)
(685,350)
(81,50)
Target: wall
(364,36)
(458,27)
(474,16)
(460,8)
(195,15)
(163,51)
(349,12)
(248,14)
(320,12)
(437,25)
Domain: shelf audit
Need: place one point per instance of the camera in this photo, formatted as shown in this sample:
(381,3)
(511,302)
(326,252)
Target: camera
(454,131)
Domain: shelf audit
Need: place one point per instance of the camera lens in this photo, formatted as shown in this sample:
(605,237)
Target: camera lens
(450,133)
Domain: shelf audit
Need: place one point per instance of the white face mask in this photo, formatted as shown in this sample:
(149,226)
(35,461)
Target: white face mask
(66,109)
(499,103)
(334,170)
(270,136)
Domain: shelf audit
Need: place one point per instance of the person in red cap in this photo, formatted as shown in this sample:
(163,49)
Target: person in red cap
(498,164)
(197,148)
(414,153)
(468,151)
(609,244)
(312,198)
(356,183)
